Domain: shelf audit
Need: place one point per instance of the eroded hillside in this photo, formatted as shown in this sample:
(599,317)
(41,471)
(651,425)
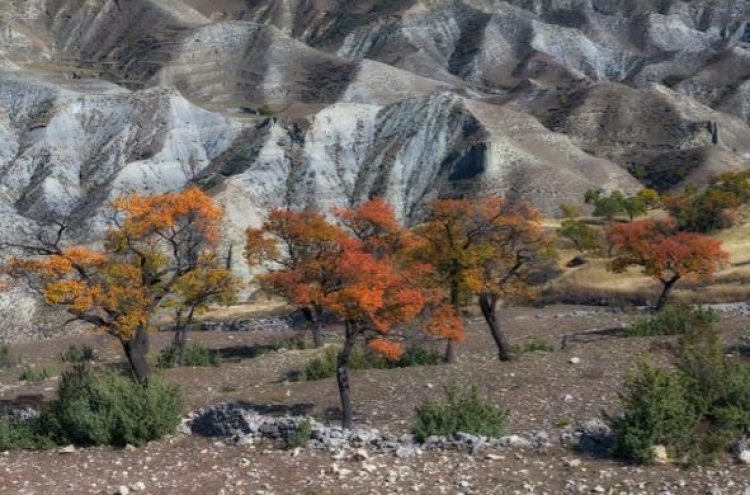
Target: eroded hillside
(272,102)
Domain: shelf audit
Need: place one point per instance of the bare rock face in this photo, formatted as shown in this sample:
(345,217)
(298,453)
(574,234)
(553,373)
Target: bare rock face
(329,102)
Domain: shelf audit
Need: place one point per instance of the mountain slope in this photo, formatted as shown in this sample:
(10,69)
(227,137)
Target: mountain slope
(328,102)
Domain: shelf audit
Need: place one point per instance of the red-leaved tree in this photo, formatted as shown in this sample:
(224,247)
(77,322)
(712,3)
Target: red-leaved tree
(664,253)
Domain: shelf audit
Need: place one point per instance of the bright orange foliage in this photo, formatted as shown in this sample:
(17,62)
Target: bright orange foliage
(301,251)
(664,253)
(160,250)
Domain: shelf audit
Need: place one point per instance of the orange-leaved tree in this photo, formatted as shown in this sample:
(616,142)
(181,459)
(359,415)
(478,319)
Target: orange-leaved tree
(664,253)
(157,250)
(487,248)
(300,251)
(381,290)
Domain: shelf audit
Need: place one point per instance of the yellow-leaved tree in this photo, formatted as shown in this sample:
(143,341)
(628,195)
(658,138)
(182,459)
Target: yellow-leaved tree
(487,248)
(159,251)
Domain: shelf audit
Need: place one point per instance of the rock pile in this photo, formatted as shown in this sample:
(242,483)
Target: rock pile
(242,426)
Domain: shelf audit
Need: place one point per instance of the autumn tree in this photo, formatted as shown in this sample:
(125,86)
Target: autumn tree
(158,249)
(381,289)
(299,251)
(487,248)
(665,253)
(212,284)
(713,207)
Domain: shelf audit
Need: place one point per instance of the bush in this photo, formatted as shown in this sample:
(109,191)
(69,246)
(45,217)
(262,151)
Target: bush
(697,410)
(360,358)
(22,435)
(195,355)
(467,413)
(103,408)
(34,376)
(674,319)
(322,366)
(300,436)
(656,412)
(536,344)
(76,354)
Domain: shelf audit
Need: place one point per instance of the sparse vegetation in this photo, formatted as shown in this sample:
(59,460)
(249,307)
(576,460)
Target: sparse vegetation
(324,366)
(195,356)
(674,319)
(75,354)
(300,436)
(536,344)
(467,413)
(33,375)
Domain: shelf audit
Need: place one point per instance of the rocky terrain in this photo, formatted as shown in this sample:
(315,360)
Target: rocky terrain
(230,443)
(328,102)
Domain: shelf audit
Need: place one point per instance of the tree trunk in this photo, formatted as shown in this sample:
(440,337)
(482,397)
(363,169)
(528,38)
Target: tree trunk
(450,352)
(181,336)
(342,377)
(136,350)
(668,284)
(488,305)
(450,349)
(314,318)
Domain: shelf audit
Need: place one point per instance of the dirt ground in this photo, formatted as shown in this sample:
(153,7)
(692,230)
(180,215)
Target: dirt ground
(544,391)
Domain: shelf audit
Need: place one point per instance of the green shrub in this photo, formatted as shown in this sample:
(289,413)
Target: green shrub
(76,354)
(537,344)
(674,319)
(657,411)
(195,355)
(418,356)
(360,358)
(103,408)
(34,376)
(321,367)
(467,413)
(300,436)
(697,410)
(22,435)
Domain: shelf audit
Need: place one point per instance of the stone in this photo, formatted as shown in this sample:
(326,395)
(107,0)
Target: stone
(405,452)
(68,449)
(660,454)
(573,463)
(123,490)
(359,455)
(594,437)
(575,360)
(742,451)
(138,486)
(514,441)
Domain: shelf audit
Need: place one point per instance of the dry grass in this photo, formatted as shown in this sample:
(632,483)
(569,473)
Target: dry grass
(593,283)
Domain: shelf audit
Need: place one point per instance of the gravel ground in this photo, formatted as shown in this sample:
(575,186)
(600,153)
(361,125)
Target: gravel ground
(544,391)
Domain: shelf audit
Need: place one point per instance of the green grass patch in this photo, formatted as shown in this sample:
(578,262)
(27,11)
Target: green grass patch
(537,344)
